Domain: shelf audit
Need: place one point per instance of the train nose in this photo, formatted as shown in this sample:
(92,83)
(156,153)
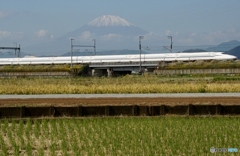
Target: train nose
(229,57)
(232,57)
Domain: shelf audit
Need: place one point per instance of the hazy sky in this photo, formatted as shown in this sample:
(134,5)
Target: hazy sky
(190,22)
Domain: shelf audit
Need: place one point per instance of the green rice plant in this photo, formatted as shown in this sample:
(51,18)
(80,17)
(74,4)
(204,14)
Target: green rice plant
(3,147)
(29,149)
(36,128)
(40,152)
(16,150)
(4,150)
(28,129)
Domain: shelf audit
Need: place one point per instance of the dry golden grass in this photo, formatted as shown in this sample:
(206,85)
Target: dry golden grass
(129,84)
(214,64)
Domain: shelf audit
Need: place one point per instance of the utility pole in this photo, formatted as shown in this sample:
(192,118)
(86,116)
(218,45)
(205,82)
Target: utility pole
(15,49)
(140,49)
(170,37)
(94,46)
(19,54)
(71,52)
(170,47)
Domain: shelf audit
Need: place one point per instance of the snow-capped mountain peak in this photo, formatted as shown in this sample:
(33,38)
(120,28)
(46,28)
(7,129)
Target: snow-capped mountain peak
(109,20)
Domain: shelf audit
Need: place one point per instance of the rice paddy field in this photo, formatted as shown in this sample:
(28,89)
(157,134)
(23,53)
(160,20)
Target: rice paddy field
(103,136)
(127,84)
(171,135)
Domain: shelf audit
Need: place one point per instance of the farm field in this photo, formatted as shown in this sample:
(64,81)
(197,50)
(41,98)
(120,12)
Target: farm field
(129,84)
(171,135)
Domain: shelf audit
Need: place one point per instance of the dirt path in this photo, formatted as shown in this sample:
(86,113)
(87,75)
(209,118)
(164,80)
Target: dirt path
(119,101)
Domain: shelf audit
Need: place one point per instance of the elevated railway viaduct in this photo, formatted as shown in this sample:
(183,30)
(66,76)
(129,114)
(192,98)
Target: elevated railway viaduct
(110,69)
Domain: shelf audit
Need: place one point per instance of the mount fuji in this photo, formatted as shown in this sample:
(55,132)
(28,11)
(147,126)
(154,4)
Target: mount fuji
(109,20)
(108,24)
(110,32)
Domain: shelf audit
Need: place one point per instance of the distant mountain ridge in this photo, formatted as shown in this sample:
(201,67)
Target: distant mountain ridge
(225,46)
(194,50)
(107,52)
(11,54)
(117,30)
(235,51)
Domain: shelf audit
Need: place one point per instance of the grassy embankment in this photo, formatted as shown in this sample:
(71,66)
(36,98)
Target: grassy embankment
(119,136)
(77,69)
(214,64)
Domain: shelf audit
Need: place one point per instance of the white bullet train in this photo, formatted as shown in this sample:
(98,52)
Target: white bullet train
(168,57)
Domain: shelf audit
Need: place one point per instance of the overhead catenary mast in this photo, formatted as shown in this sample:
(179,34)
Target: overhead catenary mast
(170,47)
(17,48)
(140,49)
(72,46)
(170,37)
